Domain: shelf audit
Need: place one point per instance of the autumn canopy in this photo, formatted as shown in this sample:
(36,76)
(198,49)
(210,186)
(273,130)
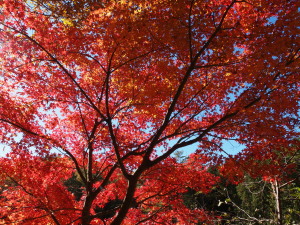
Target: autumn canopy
(96,97)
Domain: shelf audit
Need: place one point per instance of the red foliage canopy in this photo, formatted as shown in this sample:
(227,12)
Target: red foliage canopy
(108,98)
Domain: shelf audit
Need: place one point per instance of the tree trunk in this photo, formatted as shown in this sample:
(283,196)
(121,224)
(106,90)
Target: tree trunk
(127,202)
(278,209)
(85,215)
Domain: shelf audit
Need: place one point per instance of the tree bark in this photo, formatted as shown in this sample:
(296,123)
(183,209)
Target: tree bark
(278,209)
(85,215)
(127,202)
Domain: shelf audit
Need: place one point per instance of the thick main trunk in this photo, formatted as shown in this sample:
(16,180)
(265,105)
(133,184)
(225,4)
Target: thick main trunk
(127,202)
(85,215)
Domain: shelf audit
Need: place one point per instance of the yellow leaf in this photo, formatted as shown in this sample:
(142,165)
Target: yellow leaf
(67,22)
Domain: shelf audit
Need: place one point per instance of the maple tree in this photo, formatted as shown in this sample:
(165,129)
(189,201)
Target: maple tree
(93,108)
